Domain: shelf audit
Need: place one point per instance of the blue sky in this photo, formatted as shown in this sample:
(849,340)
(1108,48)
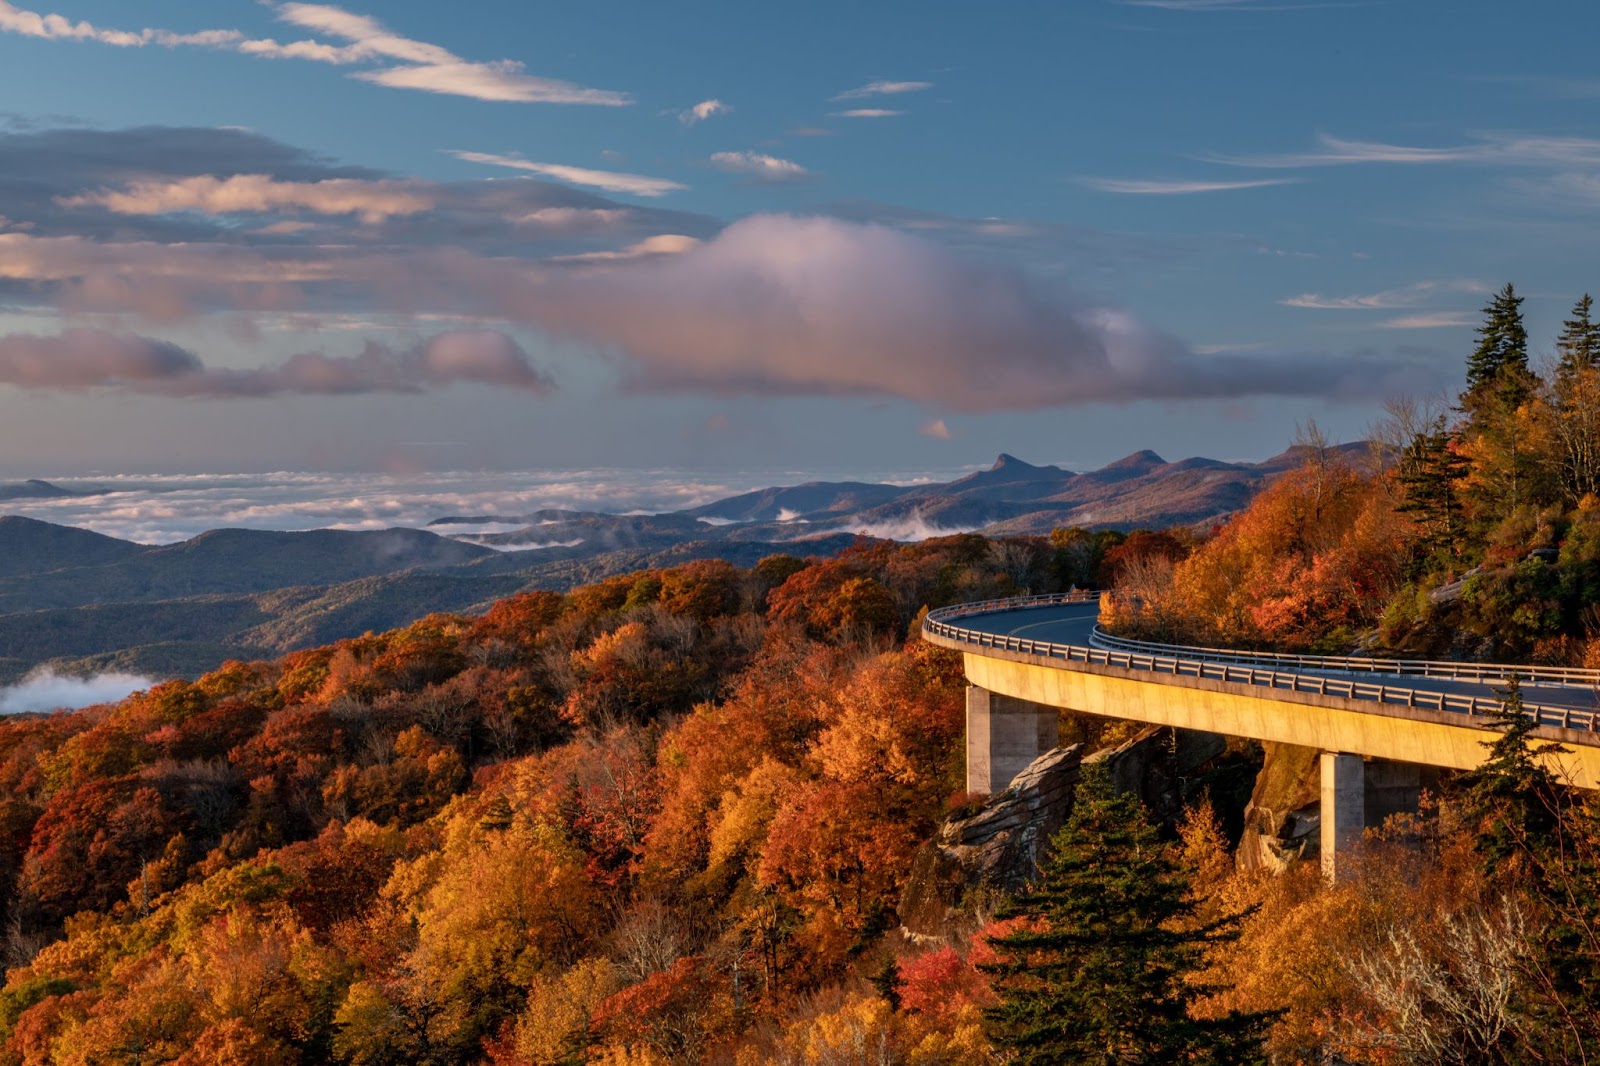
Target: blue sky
(245,236)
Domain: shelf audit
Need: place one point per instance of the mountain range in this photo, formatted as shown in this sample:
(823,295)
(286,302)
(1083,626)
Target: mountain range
(80,601)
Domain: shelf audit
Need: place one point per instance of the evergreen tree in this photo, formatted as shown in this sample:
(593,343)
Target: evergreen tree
(1103,971)
(1497,372)
(1430,473)
(1578,342)
(1512,800)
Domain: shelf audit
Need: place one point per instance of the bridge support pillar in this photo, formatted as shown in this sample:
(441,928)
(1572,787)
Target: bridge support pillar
(1004,735)
(1344,807)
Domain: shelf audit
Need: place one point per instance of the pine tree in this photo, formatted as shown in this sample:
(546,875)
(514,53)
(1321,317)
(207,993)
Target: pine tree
(1430,472)
(1497,372)
(1578,342)
(1513,801)
(1103,971)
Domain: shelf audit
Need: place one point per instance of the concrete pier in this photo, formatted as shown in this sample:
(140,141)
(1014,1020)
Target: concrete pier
(1004,735)
(1344,807)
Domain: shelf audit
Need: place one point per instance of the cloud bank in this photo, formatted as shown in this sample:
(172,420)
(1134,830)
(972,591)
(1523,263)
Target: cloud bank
(82,359)
(44,690)
(784,305)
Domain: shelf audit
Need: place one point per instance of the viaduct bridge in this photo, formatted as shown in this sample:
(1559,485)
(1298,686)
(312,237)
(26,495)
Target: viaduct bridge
(1026,658)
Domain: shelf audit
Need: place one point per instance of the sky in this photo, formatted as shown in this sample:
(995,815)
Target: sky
(407,238)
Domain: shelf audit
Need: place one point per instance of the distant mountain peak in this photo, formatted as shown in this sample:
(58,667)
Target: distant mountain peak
(1145,458)
(1007,461)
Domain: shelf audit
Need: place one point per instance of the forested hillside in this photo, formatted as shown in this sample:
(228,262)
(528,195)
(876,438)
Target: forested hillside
(668,817)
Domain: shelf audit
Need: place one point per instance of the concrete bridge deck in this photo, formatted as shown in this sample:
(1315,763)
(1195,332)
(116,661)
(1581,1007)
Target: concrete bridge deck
(1027,658)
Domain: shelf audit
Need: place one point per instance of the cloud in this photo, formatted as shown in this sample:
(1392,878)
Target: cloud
(936,429)
(883,88)
(1405,296)
(661,244)
(1501,149)
(912,527)
(420,65)
(703,110)
(1432,320)
(609,180)
(90,358)
(764,168)
(1177,188)
(784,305)
(373,201)
(44,690)
(81,359)
(866,112)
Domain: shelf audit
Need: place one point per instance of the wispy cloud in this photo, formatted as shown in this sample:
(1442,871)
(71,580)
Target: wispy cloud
(703,110)
(402,62)
(1388,299)
(764,168)
(1431,320)
(1177,188)
(936,429)
(373,201)
(883,88)
(1502,149)
(867,112)
(609,180)
(661,244)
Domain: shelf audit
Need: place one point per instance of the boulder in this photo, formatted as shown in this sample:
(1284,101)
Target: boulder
(998,848)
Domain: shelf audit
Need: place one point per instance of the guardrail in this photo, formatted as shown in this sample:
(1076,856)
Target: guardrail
(1571,677)
(937,624)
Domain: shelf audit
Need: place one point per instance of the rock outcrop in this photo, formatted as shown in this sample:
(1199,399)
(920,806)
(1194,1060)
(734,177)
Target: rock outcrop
(998,848)
(1281,823)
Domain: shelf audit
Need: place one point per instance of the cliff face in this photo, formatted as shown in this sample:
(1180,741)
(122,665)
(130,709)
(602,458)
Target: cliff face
(998,848)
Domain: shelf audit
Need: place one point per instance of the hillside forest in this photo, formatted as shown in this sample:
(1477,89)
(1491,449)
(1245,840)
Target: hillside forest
(669,817)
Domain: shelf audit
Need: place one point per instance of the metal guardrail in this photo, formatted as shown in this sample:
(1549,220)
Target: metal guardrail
(938,623)
(1485,672)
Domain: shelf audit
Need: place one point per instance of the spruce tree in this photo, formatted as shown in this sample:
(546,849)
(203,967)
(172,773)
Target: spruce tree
(1497,372)
(1512,800)
(1578,342)
(1102,973)
(1430,473)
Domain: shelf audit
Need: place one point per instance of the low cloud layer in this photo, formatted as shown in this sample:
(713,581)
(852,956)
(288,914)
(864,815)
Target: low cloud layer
(44,690)
(82,359)
(784,305)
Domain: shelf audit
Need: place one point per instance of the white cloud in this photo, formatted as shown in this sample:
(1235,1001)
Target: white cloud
(1501,149)
(867,112)
(703,110)
(1405,296)
(421,66)
(1432,320)
(883,88)
(765,168)
(373,201)
(1177,188)
(609,180)
(936,429)
(44,690)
